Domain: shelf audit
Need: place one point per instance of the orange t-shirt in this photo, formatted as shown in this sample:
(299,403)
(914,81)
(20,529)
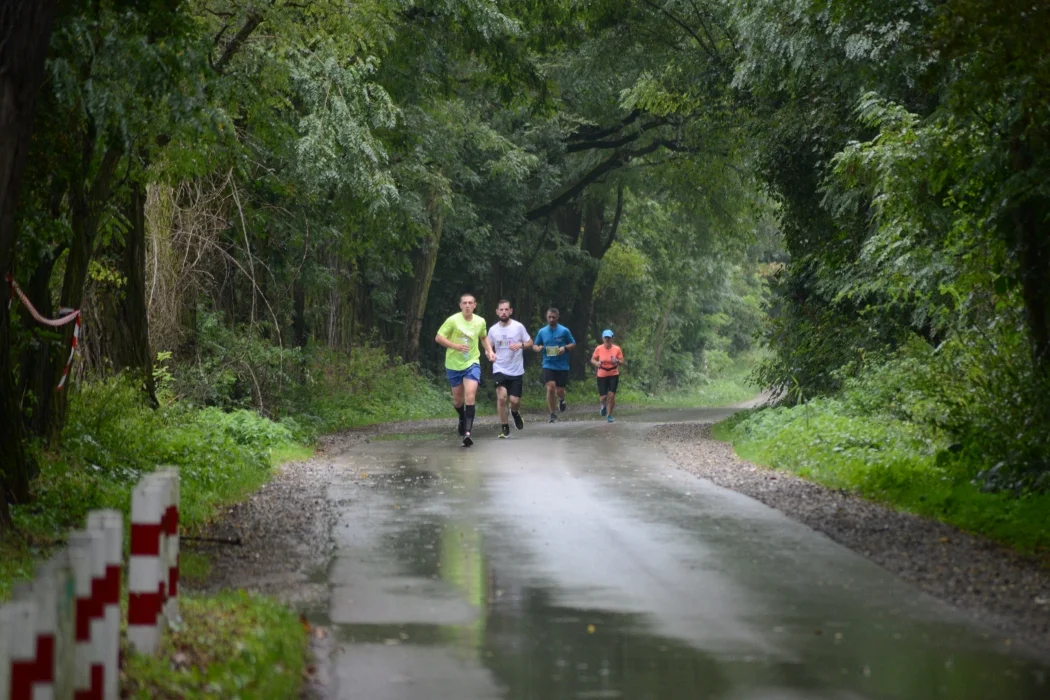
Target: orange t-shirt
(604,355)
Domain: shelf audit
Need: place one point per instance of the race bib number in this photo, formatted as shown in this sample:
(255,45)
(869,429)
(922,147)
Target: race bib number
(551,351)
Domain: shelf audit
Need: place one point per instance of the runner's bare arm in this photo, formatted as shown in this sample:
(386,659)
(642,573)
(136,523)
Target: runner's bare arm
(489,352)
(446,343)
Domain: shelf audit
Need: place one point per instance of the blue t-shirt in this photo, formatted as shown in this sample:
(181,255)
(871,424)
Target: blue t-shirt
(553,339)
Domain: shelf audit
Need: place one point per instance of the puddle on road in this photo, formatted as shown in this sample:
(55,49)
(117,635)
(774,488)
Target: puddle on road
(421,535)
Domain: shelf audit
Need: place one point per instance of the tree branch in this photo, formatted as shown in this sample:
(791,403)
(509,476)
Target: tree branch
(614,161)
(587,131)
(251,22)
(623,141)
(689,30)
(616,220)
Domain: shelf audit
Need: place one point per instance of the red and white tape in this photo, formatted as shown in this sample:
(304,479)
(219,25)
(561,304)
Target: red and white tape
(70,315)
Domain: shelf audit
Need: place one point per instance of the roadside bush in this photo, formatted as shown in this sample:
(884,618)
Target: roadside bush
(112,438)
(340,391)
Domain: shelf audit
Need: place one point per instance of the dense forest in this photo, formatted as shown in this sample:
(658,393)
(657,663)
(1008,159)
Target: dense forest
(256,202)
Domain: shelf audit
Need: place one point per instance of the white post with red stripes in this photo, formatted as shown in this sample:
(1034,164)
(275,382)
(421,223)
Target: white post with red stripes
(7,624)
(111,524)
(147,576)
(170,545)
(87,552)
(54,587)
(19,628)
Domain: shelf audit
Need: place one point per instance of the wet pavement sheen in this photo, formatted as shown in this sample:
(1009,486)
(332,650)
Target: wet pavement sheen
(574,561)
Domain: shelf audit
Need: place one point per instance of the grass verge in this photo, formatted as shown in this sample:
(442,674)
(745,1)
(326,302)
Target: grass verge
(889,461)
(233,645)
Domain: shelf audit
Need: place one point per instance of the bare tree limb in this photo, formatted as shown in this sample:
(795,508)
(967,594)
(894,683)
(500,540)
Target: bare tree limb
(710,51)
(616,143)
(587,131)
(251,22)
(616,220)
(614,161)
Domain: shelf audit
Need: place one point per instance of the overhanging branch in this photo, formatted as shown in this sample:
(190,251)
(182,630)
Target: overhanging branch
(251,22)
(616,143)
(614,161)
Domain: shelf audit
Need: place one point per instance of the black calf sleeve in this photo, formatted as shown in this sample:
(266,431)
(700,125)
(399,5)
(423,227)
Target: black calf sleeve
(469,415)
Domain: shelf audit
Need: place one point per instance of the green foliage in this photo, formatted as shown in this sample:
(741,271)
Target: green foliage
(112,439)
(890,461)
(233,645)
(948,433)
(363,388)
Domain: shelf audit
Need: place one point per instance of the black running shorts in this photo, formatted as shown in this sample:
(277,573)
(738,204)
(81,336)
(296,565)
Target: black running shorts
(560,377)
(607,384)
(510,382)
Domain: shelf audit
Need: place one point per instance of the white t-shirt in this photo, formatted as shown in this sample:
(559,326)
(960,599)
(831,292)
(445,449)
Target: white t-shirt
(509,362)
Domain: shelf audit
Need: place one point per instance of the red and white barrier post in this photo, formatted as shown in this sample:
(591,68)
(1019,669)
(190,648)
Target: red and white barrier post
(54,586)
(147,575)
(19,627)
(7,624)
(110,524)
(170,545)
(87,552)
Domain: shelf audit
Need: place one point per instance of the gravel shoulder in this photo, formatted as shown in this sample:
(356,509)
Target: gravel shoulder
(1004,590)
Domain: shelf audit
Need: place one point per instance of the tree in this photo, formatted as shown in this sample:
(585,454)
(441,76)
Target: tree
(25,31)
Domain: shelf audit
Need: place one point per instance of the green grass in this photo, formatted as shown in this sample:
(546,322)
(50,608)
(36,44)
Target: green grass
(194,567)
(727,387)
(111,440)
(889,461)
(231,645)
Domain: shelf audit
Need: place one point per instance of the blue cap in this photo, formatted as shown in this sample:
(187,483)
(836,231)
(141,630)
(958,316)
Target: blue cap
(607,333)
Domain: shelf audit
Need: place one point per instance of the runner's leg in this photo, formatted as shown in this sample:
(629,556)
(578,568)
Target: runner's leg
(457,403)
(501,404)
(611,401)
(552,398)
(470,390)
(515,402)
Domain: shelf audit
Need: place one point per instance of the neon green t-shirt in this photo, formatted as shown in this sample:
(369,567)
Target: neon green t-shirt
(469,333)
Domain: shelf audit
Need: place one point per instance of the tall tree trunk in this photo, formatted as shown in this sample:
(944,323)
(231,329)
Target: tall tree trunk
(299,313)
(1033,258)
(86,205)
(660,336)
(131,346)
(25,32)
(422,276)
(596,237)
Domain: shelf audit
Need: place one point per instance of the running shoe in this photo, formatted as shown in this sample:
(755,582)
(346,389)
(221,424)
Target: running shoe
(502,435)
(554,418)
(505,431)
(467,442)
(609,419)
(602,410)
(518,422)
(561,405)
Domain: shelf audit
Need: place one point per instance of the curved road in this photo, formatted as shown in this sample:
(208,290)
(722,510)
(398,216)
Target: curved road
(574,561)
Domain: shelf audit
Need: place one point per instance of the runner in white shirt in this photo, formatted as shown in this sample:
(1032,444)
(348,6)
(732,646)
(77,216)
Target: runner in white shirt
(508,338)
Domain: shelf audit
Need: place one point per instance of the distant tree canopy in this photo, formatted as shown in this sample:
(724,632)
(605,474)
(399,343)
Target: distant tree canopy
(323,172)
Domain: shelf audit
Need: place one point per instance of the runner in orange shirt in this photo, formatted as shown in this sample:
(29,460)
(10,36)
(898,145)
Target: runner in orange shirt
(608,358)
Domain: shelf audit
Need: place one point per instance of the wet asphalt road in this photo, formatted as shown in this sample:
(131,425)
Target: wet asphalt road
(574,561)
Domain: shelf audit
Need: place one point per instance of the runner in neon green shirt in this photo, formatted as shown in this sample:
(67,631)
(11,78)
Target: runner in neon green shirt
(462,335)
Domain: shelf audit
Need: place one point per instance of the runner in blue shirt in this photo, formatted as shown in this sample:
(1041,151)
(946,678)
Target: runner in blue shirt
(555,341)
